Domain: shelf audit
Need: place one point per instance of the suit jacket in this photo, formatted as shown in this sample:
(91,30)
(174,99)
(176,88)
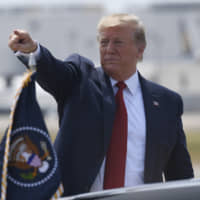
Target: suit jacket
(86,108)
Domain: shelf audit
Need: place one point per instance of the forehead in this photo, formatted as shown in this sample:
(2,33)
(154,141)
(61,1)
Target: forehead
(116,32)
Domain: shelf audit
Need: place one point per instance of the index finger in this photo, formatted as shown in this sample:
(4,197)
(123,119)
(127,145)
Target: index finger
(20,33)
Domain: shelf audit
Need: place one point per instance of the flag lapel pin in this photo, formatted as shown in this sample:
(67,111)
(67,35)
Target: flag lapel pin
(156,103)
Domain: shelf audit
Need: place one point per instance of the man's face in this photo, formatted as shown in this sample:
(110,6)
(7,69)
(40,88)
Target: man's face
(119,53)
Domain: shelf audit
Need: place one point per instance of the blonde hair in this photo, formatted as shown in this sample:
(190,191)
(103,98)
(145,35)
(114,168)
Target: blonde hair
(124,20)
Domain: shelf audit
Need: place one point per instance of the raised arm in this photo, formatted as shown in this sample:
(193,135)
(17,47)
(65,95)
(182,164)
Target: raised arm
(55,76)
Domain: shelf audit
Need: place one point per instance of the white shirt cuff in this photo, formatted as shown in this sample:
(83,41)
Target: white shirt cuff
(26,55)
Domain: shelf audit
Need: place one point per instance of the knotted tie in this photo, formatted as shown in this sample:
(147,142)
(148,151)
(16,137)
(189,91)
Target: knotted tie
(116,156)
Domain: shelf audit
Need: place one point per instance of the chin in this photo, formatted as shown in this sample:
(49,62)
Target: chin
(112,71)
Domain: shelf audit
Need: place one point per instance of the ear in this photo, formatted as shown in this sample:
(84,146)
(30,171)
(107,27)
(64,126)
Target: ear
(141,48)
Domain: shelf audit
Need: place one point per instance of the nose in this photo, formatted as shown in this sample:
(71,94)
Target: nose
(110,48)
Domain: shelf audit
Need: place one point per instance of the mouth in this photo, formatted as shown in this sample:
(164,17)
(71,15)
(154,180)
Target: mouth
(111,60)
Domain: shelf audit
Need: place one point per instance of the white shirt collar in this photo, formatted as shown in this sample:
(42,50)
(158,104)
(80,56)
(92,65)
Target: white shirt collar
(132,83)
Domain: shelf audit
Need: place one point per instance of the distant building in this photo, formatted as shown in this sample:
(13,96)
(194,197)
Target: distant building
(173,31)
(172,57)
(62,29)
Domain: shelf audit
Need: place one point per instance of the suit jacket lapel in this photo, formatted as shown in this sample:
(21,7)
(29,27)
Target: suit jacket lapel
(152,110)
(108,106)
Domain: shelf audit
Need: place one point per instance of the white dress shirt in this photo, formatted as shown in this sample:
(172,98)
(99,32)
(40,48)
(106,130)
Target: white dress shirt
(134,174)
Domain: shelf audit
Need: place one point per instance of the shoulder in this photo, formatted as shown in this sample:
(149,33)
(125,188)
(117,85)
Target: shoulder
(79,60)
(87,70)
(162,90)
(169,96)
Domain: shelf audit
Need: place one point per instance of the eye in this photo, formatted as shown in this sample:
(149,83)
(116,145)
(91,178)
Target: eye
(118,42)
(103,43)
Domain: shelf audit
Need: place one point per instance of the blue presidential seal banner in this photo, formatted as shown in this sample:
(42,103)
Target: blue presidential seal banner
(28,162)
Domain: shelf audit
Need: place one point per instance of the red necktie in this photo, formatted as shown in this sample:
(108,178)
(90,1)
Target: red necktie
(116,156)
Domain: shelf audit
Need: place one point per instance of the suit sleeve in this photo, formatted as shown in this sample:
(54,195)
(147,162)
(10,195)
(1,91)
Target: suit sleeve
(179,165)
(56,76)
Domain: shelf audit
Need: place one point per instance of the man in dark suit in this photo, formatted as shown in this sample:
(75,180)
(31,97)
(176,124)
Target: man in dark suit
(116,128)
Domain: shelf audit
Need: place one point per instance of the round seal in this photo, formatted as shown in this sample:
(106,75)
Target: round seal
(32,159)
